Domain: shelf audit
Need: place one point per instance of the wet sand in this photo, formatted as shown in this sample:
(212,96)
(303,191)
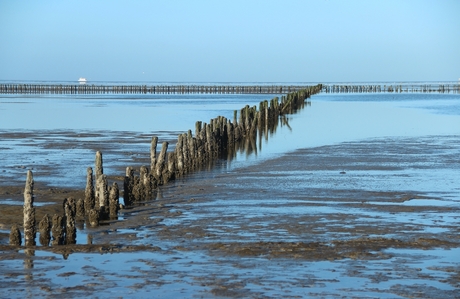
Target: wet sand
(373,218)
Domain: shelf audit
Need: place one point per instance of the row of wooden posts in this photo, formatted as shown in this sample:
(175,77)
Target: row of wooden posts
(221,138)
(392,88)
(222,89)
(146,89)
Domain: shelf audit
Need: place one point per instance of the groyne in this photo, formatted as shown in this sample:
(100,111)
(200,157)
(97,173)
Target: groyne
(70,89)
(221,138)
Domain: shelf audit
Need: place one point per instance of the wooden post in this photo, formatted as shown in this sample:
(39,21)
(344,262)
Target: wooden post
(99,167)
(29,211)
(15,236)
(114,201)
(161,162)
(93,217)
(89,191)
(144,183)
(70,212)
(103,199)
(57,230)
(153,153)
(128,186)
(171,167)
(80,211)
(44,228)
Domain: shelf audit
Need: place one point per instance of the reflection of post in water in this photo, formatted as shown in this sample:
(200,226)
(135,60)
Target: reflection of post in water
(29,263)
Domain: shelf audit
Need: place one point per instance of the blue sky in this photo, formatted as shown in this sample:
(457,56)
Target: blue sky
(230,41)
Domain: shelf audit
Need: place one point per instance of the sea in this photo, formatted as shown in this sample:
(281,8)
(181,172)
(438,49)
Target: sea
(328,119)
(33,128)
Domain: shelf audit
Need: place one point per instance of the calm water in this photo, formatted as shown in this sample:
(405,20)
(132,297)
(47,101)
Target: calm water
(331,119)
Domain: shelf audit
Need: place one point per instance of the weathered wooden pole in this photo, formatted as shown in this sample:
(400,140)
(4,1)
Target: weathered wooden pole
(103,199)
(153,153)
(90,199)
(44,228)
(70,221)
(160,165)
(99,172)
(180,154)
(144,183)
(171,167)
(114,201)
(57,230)
(93,217)
(80,209)
(29,211)
(15,236)
(99,167)
(128,186)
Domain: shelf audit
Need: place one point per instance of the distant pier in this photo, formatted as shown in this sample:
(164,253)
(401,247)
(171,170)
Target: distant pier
(70,89)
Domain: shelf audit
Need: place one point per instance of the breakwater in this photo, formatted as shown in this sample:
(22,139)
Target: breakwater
(225,89)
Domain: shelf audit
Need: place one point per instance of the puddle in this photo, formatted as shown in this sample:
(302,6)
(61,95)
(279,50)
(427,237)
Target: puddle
(12,202)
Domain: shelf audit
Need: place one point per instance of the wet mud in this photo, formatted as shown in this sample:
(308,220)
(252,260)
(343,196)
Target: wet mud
(373,218)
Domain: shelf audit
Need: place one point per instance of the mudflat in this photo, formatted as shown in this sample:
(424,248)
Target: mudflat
(373,218)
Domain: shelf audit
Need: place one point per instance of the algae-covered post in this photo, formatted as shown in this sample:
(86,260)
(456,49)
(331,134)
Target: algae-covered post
(29,211)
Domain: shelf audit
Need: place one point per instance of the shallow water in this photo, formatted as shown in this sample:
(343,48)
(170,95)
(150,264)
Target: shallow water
(94,122)
(358,166)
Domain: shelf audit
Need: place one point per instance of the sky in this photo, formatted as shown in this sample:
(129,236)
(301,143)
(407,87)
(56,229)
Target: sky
(230,40)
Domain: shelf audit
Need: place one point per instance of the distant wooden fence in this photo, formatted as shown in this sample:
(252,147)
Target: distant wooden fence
(391,88)
(146,89)
(222,89)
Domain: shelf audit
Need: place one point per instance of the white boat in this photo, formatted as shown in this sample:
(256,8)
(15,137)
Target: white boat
(82,80)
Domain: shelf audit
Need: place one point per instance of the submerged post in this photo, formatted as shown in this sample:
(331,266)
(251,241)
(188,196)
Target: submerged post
(29,211)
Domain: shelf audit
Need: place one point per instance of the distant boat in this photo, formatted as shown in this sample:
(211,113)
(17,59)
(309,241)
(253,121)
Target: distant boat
(82,80)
